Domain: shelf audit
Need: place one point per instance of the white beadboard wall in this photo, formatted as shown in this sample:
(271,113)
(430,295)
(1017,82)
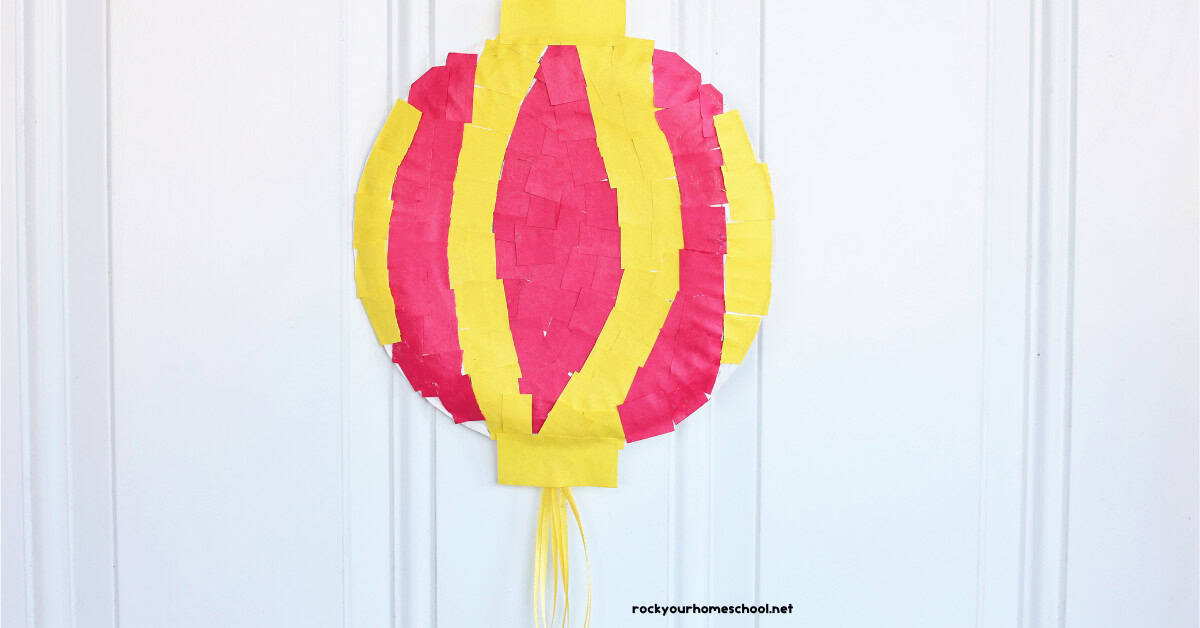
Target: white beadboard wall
(974,403)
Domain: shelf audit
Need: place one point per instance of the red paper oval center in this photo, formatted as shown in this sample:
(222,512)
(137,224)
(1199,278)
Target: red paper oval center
(558,244)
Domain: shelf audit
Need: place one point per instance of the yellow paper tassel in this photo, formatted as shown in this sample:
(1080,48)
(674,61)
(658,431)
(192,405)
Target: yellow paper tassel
(551,547)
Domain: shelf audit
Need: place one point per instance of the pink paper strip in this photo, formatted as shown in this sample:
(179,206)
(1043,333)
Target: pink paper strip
(682,366)
(418,271)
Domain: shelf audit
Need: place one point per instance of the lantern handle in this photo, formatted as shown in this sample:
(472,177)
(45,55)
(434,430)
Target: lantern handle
(562,21)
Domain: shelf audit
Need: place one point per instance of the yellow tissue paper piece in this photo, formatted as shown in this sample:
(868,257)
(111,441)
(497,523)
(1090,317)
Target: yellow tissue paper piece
(561,21)
(372,215)
(480,310)
(399,128)
(752,298)
(654,162)
(381,311)
(749,240)
(368,232)
(379,173)
(489,398)
(735,143)
(518,414)
(495,110)
(625,170)
(484,335)
(749,190)
(632,69)
(481,157)
(636,247)
(544,460)
(739,333)
(503,68)
(597,64)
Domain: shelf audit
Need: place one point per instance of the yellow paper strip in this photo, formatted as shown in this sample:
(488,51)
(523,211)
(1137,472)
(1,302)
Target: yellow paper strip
(748,256)
(649,214)
(489,354)
(372,215)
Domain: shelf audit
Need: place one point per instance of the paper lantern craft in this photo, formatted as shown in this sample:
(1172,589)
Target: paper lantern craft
(566,238)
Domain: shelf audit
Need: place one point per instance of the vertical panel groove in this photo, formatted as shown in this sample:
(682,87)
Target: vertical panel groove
(396,567)
(393,488)
(414,436)
(1049,313)
(24,369)
(1004,312)
(433,477)
(345,257)
(112,373)
(1035,41)
(1067,323)
(981,485)
(983,322)
(64,288)
(763,325)
(433,520)
(675,485)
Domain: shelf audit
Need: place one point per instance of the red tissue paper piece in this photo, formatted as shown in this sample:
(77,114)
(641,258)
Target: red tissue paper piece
(675,80)
(646,416)
(704,228)
(560,70)
(711,103)
(460,91)
(428,93)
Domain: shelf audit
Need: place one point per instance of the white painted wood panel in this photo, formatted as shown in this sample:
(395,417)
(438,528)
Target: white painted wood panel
(228,230)
(974,402)
(1132,557)
(875,134)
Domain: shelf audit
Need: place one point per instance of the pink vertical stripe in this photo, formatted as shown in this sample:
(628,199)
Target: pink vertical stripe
(418,271)
(682,367)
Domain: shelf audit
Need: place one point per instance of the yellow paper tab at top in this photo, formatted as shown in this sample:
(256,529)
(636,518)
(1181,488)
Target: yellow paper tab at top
(561,21)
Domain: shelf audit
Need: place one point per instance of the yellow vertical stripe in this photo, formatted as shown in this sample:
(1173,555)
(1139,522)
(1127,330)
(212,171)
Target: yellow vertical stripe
(640,167)
(489,354)
(372,215)
(748,258)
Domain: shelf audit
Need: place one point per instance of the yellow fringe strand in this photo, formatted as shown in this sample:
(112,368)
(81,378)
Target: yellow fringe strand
(550,551)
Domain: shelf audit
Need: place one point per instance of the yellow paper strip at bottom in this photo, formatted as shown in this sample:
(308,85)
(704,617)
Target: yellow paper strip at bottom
(556,461)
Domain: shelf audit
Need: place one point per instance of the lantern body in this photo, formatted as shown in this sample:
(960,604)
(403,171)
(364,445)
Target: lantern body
(565,241)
